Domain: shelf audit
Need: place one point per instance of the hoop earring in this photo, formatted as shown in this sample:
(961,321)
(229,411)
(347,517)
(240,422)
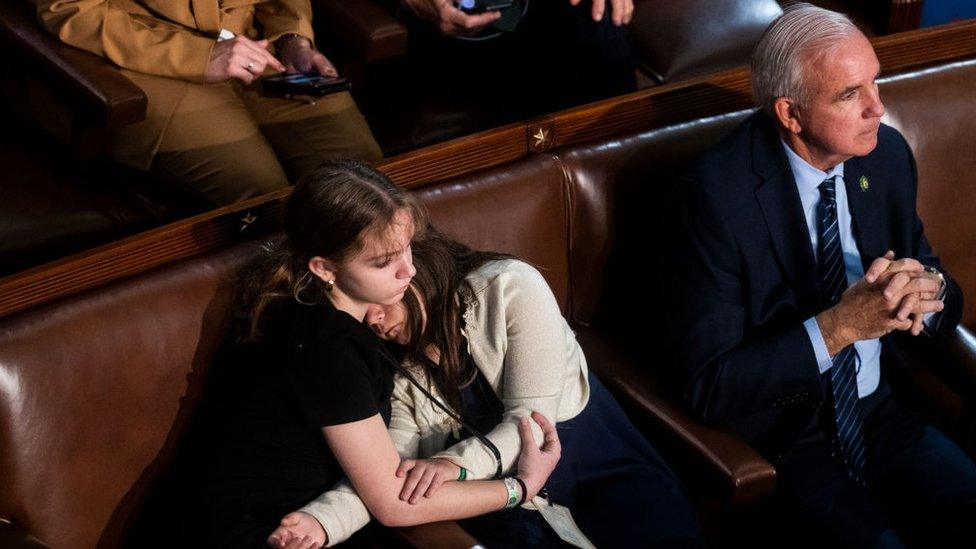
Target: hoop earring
(329,284)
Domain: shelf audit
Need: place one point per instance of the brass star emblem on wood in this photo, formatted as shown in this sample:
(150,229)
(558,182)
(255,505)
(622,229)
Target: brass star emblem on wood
(542,139)
(247,220)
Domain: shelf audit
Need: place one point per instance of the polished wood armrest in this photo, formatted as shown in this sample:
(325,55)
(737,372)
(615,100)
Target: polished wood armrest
(12,537)
(101,94)
(744,474)
(371,32)
(437,535)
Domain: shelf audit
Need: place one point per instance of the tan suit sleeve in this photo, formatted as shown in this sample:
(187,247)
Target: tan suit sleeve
(279,17)
(340,511)
(536,355)
(135,42)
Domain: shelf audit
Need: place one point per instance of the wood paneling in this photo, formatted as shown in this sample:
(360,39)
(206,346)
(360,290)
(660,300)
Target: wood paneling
(904,15)
(117,260)
(925,47)
(457,157)
(730,90)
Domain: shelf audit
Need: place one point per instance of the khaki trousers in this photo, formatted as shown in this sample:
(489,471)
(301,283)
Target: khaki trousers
(231,143)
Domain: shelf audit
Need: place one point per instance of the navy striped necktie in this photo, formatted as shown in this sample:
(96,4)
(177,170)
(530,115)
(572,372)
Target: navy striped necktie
(843,377)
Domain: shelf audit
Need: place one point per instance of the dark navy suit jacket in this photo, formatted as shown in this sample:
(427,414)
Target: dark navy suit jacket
(745,277)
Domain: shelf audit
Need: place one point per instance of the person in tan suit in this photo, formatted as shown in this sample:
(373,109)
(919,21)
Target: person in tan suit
(206,124)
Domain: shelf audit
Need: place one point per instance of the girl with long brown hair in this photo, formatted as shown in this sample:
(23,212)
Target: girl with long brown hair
(483,341)
(304,399)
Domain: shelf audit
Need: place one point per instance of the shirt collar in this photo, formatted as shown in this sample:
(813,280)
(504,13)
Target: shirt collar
(808,178)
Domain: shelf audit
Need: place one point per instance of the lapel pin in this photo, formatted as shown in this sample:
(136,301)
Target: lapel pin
(865,184)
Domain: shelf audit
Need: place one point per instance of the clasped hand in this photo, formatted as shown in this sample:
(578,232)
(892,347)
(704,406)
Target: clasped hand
(893,295)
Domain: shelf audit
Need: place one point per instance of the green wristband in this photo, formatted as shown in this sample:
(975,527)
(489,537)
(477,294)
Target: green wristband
(513,492)
(462,474)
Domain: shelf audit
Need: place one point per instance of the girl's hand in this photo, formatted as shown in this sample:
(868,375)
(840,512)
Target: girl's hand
(536,463)
(298,530)
(424,477)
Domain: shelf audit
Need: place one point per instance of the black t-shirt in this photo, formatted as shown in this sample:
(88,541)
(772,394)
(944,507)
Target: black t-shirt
(262,453)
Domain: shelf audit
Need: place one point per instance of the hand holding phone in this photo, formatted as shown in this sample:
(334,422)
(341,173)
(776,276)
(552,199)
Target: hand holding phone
(482,6)
(310,84)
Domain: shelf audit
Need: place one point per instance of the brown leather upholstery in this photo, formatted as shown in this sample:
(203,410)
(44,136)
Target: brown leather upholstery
(95,390)
(939,121)
(365,27)
(619,185)
(12,537)
(498,211)
(95,393)
(716,459)
(54,205)
(677,40)
(42,215)
(98,388)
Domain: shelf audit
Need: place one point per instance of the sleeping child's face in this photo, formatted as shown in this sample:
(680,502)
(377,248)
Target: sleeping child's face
(390,322)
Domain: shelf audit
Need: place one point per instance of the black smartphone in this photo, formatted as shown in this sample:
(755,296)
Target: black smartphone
(481,6)
(303,83)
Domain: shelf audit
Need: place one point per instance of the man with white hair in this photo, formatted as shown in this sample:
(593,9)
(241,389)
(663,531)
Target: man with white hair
(800,251)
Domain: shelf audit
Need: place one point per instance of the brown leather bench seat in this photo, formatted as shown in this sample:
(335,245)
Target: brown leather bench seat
(53,205)
(43,215)
(934,109)
(96,389)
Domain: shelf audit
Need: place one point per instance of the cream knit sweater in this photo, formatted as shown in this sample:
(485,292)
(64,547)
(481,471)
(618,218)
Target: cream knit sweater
(522,344)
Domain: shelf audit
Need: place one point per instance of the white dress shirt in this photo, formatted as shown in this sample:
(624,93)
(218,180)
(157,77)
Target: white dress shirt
(808,180)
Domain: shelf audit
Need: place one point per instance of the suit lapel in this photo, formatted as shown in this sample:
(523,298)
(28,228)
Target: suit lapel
(865,209)
(780,203)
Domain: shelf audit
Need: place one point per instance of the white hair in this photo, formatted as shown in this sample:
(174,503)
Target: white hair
(786,48)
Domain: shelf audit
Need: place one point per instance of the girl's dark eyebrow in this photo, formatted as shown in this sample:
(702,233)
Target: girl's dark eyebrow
(386,255)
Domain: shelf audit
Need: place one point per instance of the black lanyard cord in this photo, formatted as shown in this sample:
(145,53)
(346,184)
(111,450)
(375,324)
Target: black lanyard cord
(478,434)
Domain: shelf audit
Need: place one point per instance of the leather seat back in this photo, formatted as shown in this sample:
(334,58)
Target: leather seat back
(620,189)
(679,40)
(95,392)
(620,195)
(521,208)
(934,111)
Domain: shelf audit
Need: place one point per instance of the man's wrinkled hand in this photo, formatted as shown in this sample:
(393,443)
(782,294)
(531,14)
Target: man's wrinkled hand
(862,313)
(909,289)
